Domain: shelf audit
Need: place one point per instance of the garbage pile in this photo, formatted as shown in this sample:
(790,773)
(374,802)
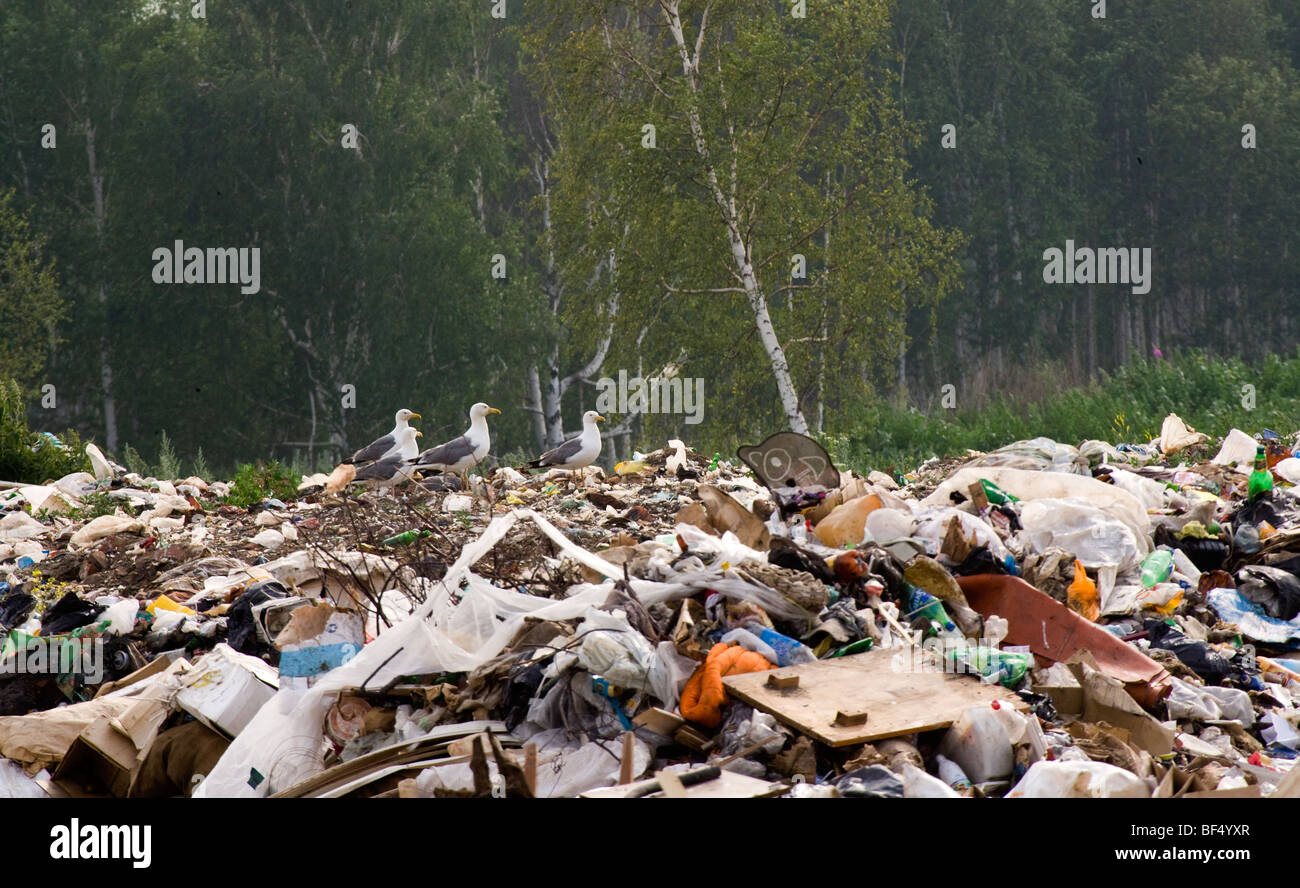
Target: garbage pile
(1039,621)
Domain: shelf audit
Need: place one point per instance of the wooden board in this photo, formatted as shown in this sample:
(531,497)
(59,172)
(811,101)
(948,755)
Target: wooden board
(896,702)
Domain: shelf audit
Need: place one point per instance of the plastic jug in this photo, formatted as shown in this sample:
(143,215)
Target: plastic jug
(978,743)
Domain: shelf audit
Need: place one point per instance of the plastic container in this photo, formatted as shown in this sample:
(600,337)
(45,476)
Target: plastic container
(1157,567)
(1082,595)
(789,652)
(978,742)
(163,603)
(923,604)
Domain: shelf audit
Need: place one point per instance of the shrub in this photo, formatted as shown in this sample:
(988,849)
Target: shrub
(254,483)
(30,457)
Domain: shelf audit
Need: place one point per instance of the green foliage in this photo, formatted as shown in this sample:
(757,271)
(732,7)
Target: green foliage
(28,456)
(30,305)
(169,467)
(134,461)
(200,466)
(1128,405)
(254,483)
(93,505)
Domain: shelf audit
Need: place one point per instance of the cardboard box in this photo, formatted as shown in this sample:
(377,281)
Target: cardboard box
(225,689)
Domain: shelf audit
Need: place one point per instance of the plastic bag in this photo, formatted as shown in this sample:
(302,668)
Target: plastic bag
(1079,780)
(611,648)
(1028,486)
(464,622)
(1037,454)
(931,525)
(15,784)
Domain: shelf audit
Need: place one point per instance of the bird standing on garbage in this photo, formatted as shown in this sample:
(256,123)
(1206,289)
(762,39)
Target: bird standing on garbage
(460,453)
(391,470)
(576,453)
(382,448)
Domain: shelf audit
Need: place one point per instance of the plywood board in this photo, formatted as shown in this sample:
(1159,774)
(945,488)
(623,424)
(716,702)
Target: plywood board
(896,702)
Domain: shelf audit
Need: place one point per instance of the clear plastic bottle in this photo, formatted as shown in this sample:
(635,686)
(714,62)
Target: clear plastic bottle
(1157,567)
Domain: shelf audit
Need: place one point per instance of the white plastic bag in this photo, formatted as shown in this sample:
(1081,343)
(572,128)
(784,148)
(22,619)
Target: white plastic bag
(1079,780)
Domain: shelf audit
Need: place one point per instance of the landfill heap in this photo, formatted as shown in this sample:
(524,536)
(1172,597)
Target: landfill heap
(1039,621)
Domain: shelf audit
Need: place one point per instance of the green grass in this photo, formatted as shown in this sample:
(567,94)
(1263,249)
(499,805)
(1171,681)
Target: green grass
(1127,405)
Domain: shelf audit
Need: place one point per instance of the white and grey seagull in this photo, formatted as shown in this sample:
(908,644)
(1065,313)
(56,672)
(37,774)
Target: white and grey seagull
(462,452)
(390,444)
(576,453)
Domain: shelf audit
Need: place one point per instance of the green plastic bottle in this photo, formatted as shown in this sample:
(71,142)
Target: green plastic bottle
(405,539)
(1261,480)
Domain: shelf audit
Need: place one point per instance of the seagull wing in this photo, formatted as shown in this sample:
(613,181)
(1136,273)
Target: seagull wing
(560,455)
(447,454)
(374,450)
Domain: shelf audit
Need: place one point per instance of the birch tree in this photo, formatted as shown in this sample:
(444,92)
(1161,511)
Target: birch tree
(726,136)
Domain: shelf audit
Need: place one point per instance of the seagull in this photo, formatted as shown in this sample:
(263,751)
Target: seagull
(388,472)
(382,448)
(458,454)
(576,453)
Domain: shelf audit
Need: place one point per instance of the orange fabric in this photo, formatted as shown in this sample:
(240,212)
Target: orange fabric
(704,696)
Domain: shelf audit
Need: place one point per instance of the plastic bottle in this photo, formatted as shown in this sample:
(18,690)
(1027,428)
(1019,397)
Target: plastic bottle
(1157,567)
(1082,594)
(404,539)
(789,652)
(1261,480)
(921,603)
(951,773)
(751,642)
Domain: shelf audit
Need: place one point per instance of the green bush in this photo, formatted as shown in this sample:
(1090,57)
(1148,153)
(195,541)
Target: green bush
(254,483)
(1127,405)
(30,457)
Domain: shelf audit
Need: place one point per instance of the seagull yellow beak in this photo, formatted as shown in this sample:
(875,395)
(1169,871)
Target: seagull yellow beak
(416,416)
(493,410)
(419,434)
(601,419)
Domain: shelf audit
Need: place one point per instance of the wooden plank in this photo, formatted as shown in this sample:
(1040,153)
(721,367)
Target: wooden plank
(895,702)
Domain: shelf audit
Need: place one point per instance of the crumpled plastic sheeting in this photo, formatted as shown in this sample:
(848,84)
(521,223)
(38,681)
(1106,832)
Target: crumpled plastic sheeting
(1238,450)
(613,649)
(464,622)
(1209,703)
(1054,485)
(15,784)
(1038,455)
(932,525)
(1250,618)
(1098,540)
